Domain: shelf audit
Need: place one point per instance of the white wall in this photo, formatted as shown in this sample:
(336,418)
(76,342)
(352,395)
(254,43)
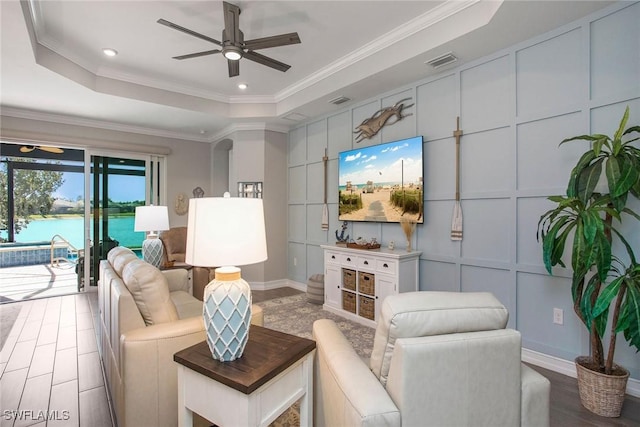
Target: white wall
(260,156)
(188,167)
(515,107)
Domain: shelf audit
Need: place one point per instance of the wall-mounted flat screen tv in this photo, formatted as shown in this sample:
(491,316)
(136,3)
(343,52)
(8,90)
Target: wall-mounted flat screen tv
(382,183)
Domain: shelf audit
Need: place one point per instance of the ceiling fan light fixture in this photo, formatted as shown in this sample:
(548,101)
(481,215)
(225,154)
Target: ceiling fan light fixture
(233,45)
(232,53)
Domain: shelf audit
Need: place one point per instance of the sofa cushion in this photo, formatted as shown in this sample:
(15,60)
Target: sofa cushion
(120,256)
(421,314)
(175,243)
(150,291)
(186,305)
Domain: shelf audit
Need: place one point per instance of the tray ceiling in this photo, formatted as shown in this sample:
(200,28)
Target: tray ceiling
(53,68)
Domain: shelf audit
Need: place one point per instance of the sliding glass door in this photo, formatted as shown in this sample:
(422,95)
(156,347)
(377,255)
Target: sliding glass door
(62,209)
(116,185)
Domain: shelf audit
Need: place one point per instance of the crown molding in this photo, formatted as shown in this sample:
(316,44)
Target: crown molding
(99,124)
(426,20)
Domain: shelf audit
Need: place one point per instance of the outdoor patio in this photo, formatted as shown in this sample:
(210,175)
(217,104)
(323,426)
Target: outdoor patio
(37,281)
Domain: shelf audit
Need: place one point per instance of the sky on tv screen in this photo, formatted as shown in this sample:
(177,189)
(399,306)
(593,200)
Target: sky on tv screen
(384,164)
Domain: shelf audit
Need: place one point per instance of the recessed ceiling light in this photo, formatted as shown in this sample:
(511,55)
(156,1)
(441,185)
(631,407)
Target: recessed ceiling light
(109,52)
(242,86)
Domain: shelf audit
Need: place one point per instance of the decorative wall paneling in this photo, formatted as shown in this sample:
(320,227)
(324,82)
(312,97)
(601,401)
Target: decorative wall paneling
(515,106)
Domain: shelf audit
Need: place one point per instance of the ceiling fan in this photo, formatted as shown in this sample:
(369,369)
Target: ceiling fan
(234,46)
(30,148)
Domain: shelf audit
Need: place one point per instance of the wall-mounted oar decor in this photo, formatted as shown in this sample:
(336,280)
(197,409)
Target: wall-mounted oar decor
(325,208)
(456,221)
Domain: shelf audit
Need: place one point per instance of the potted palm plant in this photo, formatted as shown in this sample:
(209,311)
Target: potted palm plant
(605,285)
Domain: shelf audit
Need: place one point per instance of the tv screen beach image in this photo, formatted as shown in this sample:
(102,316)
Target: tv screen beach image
(382,183)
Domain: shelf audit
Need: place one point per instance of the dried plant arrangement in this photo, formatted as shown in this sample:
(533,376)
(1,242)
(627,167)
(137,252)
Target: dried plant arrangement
(408,226)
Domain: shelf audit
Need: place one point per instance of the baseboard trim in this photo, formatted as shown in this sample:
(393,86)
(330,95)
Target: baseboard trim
(275,284)
(568,368)
(296,285)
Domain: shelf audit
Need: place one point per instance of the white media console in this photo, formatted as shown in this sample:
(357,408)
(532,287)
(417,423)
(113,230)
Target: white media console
(356,281)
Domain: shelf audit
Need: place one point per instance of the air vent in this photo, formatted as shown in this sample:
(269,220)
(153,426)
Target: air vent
(442,60)
(339,100)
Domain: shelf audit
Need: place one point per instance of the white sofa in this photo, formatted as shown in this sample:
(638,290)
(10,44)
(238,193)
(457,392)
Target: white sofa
(439,359)
(146,315)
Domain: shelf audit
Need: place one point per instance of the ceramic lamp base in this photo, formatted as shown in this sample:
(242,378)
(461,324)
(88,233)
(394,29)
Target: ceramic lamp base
(152,251)
(227,314)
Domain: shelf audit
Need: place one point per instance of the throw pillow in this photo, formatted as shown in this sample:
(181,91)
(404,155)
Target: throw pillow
(150,291)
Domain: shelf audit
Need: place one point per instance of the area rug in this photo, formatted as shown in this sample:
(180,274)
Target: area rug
(294,315)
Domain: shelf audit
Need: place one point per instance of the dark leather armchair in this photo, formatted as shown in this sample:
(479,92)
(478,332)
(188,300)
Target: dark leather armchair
(174,242)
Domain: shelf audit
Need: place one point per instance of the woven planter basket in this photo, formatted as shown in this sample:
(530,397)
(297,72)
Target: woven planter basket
(600,393)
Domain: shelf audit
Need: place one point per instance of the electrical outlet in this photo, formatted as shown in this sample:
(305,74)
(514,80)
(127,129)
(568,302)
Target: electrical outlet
(295,261)
(558,316)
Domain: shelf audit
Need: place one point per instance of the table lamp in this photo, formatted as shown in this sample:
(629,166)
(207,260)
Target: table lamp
(152,219)
(226,232)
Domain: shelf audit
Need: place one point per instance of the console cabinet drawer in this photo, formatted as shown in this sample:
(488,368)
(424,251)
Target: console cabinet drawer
(332,257)
(386,266)
(350,260)
(366,263)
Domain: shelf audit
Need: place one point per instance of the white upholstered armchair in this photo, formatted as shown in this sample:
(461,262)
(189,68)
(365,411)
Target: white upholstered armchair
(439,359)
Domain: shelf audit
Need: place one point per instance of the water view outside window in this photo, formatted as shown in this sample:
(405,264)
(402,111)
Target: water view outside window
(63,211)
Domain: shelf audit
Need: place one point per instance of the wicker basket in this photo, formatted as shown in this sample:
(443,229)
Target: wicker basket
(600,393)
(366,283)
(349,279)
(349,301)
(367,308)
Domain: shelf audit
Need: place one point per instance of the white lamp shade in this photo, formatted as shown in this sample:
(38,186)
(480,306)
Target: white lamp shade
(225,231)
(151,218)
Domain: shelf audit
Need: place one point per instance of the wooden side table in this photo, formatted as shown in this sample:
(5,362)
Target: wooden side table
(275,370)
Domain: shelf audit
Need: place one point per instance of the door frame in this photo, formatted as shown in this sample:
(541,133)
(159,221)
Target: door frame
(155,173)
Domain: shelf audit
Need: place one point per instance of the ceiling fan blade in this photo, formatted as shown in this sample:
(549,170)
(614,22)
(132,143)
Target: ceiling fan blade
(234,68)
(27,148)
(188,31)
(197,54)
(273,41)
(231,22)
(54,150)
(265,60)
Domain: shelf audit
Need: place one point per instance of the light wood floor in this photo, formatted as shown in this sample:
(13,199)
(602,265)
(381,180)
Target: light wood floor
(50,365)
(51,368)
